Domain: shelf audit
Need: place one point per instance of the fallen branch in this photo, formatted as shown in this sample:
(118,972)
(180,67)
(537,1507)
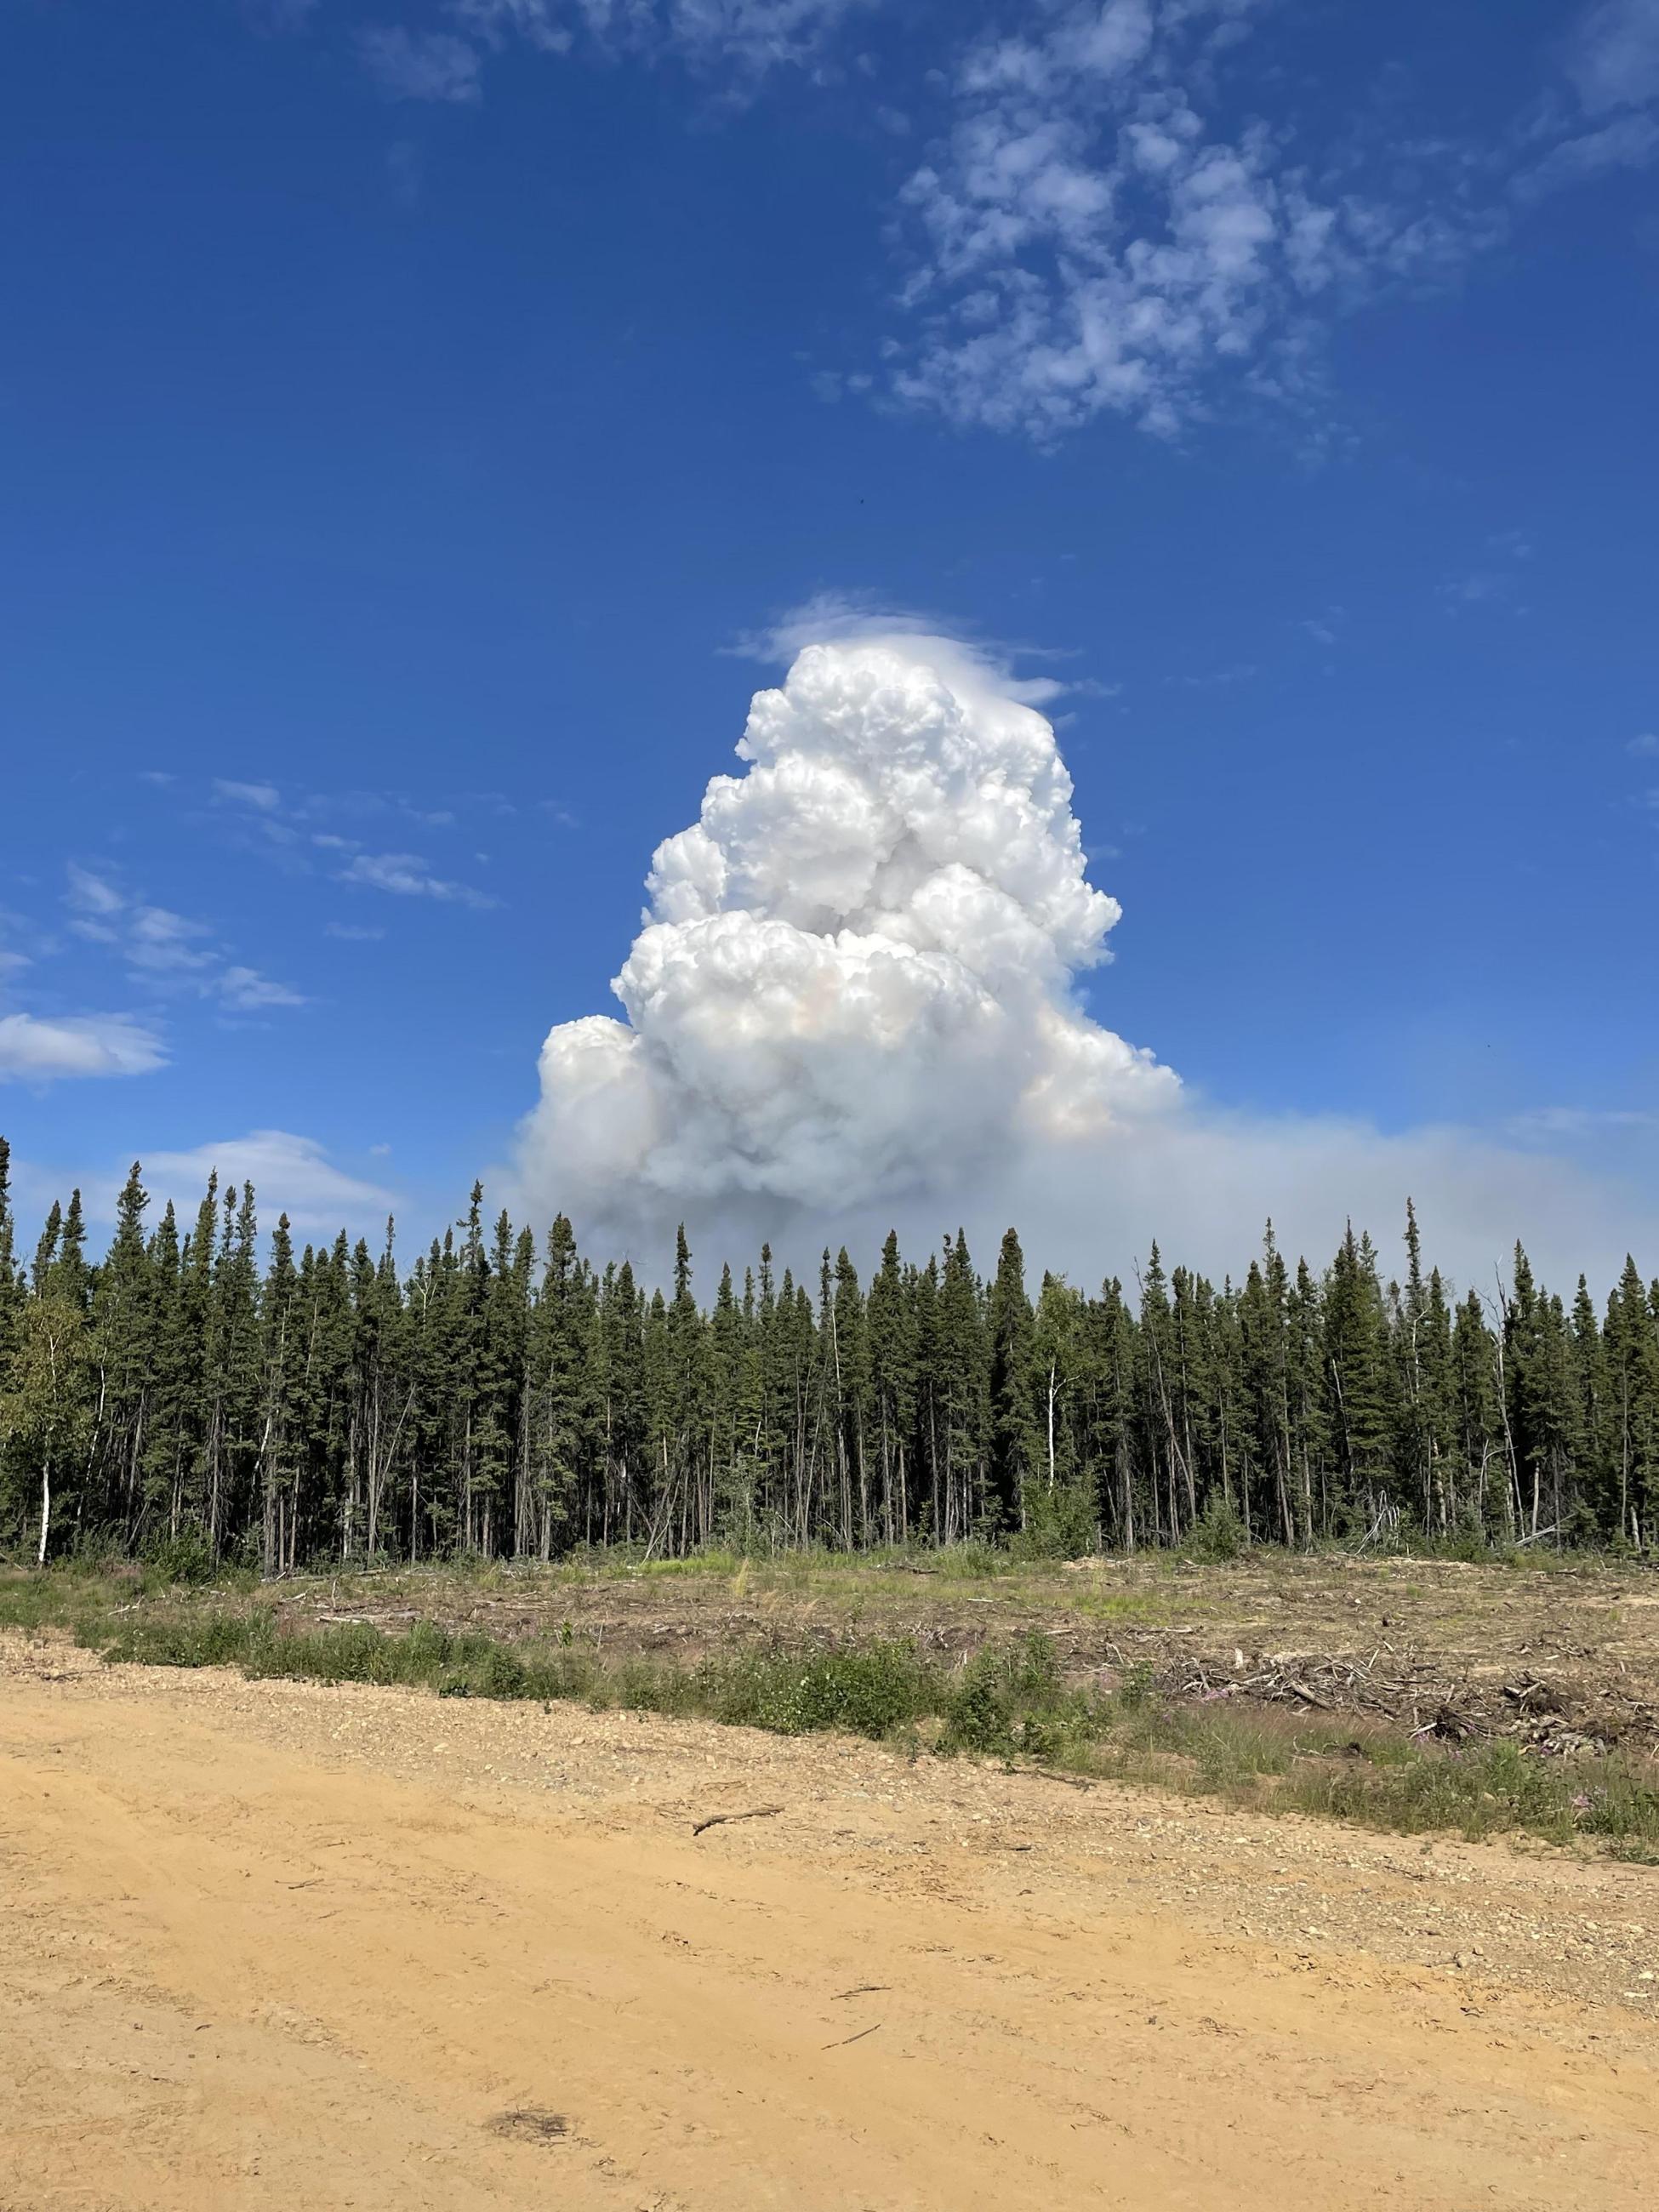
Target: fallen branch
(1301,1690)
(719,1819)
(859,2037)
(863,1990)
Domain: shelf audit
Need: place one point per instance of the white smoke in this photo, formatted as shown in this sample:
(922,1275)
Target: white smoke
(853,978)
(851,1005)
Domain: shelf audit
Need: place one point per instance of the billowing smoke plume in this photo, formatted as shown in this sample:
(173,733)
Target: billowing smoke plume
(853,982)
(850,1007)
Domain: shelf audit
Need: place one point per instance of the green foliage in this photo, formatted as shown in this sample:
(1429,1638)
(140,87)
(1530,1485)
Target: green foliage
(1012,1700)
(973,1561)
(203,1395)
(872,1691)
(187,1557)
(1219,1534)
(1009,1701)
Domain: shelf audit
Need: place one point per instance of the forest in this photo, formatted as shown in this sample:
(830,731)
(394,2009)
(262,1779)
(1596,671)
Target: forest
(222,1394)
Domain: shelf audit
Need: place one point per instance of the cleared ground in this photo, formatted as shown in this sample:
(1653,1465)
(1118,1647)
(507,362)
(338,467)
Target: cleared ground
(271,1943)
(1560,1656)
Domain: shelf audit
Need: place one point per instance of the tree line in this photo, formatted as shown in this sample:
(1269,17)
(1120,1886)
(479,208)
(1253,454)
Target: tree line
(279,1406)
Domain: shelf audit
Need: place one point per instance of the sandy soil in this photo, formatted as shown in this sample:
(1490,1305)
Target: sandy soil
(274,1944)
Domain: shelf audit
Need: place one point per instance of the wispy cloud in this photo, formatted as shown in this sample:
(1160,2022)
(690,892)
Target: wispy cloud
(289,831)
(264,797)
(1327,628)
(1478,587)
(1100,228)
(34,1049)
(1613,55)
(247,991)
(539,23)
(407,874)
(745,37)
(1115,215)
(1629,142)
(165,943)
(167,950)
(1495,580)
(1239,671)
(421,64)
(1644,747)
(92,895)
(290,1173)
(750,36)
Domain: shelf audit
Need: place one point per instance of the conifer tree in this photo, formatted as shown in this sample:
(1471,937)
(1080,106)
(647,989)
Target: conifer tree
(1013,1442)
(287,1409)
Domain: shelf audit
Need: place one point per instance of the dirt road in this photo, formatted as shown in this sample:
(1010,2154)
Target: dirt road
(268,1944)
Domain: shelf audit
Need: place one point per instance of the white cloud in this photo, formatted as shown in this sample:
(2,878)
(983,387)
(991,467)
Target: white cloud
(37,1050)
(168,950)
(857,963)
(1238,672)
(1629,142)
(1089,242)
(1644,747)
(93,894)
(165,943)
(1613,55)
(538,22)
(1490,587)
(746,38)
(852,1004)
(755,36)
(407,875)
(290,1173)
(420,65)
(247,991)
(1089,236)
(264,797)
(353,933)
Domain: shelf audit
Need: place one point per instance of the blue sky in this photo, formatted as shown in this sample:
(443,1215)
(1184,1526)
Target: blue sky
(409,409)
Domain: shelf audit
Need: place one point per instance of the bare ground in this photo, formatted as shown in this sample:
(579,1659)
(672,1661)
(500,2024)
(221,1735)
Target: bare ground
(1564,1658)
(271,1943)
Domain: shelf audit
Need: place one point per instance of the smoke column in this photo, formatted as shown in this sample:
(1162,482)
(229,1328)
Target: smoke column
(853,978)
(851,1007)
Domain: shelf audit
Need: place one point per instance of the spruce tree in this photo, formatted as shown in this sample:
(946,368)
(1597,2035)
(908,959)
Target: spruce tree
(1014,1448)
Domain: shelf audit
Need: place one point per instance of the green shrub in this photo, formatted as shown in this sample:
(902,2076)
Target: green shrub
(1218,1535)
(868,1691)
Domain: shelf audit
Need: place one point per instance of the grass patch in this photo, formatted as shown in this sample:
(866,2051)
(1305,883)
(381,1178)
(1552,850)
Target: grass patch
(1010,1701)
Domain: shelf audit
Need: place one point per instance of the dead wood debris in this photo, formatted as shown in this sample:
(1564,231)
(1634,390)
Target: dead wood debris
(1394,1687)
(722,1819)
(528,2123)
